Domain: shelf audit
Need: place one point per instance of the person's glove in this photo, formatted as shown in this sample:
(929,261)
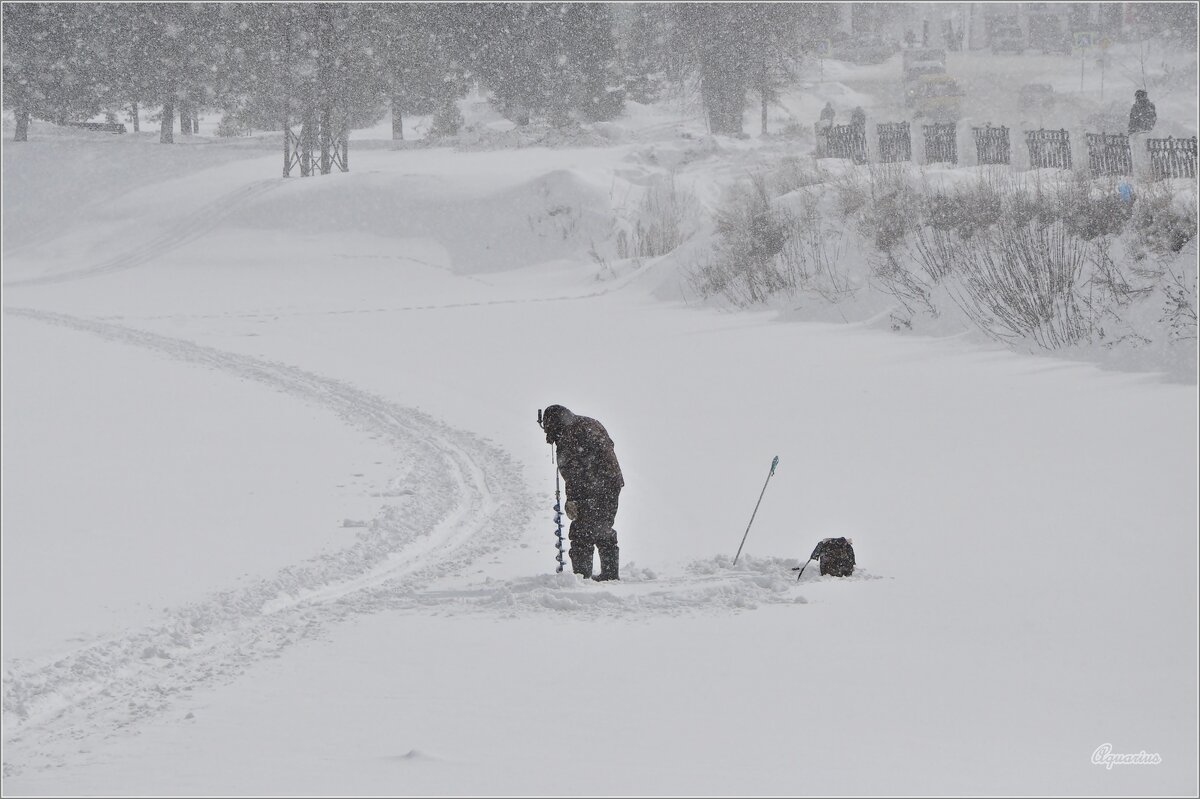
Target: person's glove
(572,509)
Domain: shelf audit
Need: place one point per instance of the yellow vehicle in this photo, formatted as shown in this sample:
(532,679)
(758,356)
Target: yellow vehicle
(935,97)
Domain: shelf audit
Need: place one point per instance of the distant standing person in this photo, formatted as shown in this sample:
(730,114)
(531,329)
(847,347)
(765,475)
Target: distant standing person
(827,115)
(1142,115)
(859,117)
(588,463)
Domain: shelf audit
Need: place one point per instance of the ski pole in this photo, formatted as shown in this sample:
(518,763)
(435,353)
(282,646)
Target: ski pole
(774,463)
(817,552)
(802,568)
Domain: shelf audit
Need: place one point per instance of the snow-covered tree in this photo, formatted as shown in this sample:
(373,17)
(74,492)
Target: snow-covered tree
(591,58)
(406,56)
(54,63)
(738,46)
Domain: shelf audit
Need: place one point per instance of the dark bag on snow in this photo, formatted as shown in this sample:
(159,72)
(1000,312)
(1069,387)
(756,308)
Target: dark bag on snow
(835,555)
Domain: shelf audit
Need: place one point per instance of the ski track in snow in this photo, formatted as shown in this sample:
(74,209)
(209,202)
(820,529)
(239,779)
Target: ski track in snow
(606,287)
(472,502)
(193,227)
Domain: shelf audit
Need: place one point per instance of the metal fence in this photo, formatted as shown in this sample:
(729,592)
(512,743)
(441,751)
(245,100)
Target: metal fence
(991,145)
(1109,154)
(1049,149)
(847,141)
(941,143)
(1172,158)
(895,143)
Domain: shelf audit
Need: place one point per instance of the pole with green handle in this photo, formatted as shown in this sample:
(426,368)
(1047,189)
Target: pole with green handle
(774,463)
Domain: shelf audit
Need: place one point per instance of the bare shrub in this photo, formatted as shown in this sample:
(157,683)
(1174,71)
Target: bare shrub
(1179,307)
(749,224)
(763,250)
(892,209)
(1162,226)
(936,250)
(794,173)
(812,252)
(750,234)
(911,290)
(1108,291)
(1038,264)
(966,211)
(660,222)
(1005,257)
(1087,213)
(880,201)
(1020,282)
(852,193)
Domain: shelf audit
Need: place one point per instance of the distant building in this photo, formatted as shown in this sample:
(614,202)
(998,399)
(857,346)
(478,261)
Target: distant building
(967,25)
(936,22)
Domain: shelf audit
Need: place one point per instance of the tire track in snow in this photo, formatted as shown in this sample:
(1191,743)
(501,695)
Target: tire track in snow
(608,288)
(193,227)
(471,501)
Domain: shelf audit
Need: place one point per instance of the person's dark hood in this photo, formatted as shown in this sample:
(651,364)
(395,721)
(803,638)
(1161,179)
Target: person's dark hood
(554,419)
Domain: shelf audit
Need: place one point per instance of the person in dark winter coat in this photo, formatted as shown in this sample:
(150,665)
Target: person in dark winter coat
(858,118)
(588,463)
(827,115)
(1142,115)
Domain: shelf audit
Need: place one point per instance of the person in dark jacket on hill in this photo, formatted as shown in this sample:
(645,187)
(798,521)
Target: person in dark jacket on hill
(827,115)
(1142,115)
(588,463)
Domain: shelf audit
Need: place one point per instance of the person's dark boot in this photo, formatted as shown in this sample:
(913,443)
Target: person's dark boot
(581,561)
(609,564)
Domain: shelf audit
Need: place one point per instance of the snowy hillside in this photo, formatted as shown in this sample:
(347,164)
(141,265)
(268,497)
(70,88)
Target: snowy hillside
(277,516)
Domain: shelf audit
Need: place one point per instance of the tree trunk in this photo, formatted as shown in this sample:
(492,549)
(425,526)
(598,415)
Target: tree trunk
(185,118)
(326,137)
(22,131)
(764,89)
(195,123)
(725,109)
(287,144)
(133,117)
(166,133)
(308,141)
(397,120)
(723,93)
(325,90)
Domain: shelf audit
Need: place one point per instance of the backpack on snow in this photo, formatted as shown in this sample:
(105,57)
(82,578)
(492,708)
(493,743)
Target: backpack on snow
(836,556)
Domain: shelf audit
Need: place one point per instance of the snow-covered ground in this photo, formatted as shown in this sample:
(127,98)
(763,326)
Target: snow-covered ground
(276,513)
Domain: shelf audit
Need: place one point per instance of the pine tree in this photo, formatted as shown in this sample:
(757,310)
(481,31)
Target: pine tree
(738,46)
(591,56)
(722,43)
(644,56)
(412,53)
(53,64)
